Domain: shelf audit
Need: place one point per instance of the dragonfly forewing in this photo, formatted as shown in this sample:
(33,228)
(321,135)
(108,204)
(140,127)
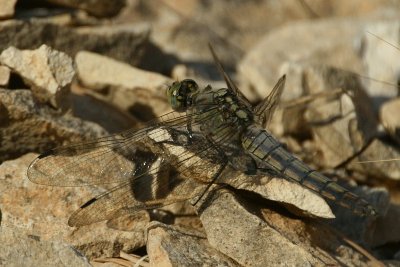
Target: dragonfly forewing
(145,169)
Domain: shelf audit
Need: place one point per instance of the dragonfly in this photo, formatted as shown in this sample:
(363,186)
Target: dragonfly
(181,154)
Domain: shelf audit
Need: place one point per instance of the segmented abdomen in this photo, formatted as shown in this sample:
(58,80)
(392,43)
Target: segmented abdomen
(262,146)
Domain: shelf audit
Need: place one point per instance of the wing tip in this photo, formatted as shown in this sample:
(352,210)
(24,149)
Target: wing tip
(76,218)
(74,222)
(46,154)
(88,203)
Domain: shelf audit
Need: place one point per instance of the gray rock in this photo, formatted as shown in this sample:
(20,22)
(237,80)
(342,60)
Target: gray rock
(94,7)
(254,237)
(20,249)
(27,126)
(48,72)
(43,211)
(4,76)
(7,8)
(129,88)
(170,246)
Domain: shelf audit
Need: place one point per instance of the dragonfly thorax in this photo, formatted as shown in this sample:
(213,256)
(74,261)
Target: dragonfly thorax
(233,110)
(219,114)
(179,94)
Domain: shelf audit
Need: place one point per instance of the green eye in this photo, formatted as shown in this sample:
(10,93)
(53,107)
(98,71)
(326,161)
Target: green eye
(179,93)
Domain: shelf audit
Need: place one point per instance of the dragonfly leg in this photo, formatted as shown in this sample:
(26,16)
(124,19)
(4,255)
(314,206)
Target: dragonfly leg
(214,178)
(224,163)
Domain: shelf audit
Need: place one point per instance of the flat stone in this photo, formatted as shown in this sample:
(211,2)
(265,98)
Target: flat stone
(4,76)
(99,72)
(167,246)
(7,8)
(128,87)
(47,71)
(282,191)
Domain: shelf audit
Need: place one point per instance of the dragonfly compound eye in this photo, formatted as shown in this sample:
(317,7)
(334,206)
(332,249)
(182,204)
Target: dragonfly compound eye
(179,94)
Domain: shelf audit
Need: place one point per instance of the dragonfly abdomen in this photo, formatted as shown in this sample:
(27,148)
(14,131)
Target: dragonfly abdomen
(272,156)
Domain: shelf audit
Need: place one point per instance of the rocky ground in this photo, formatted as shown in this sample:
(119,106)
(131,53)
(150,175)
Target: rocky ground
(76,70)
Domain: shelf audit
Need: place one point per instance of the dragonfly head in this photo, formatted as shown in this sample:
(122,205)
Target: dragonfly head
(179,94)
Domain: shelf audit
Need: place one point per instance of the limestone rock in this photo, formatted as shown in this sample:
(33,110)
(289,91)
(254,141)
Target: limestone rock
(47,71)
(99,72)
(128,87)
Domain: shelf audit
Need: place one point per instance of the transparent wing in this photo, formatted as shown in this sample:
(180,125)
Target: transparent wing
(166,181)
(100,161)
(149,167)
(266,108)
